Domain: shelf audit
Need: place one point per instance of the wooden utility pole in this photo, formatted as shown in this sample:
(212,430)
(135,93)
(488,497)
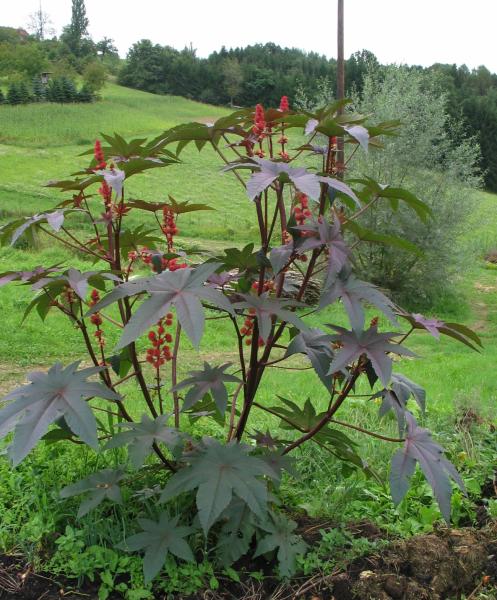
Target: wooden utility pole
(340,77)
(340,58)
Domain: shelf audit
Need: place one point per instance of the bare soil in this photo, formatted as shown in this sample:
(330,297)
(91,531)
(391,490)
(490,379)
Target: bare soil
(436,566)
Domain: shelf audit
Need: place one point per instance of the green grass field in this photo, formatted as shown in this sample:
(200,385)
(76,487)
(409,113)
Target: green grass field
(42,142)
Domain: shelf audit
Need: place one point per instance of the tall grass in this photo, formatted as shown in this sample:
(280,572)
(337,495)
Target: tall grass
(130,112)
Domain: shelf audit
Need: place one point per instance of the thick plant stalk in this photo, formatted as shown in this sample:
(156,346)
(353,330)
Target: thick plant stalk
(174,375)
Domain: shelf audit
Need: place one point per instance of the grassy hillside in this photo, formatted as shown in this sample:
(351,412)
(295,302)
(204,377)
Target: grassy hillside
(42,142)
(128,111)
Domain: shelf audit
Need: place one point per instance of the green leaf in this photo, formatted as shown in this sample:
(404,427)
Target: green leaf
(206,407)
(368,235)
(420,208)
(121,363)
(176,207)
(245,259)
(282,536)
(98,486)
(218,472)
(158,539)
(132,239)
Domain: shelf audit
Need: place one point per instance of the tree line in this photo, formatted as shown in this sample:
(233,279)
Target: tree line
(243,76)
(265,72)
(259,73)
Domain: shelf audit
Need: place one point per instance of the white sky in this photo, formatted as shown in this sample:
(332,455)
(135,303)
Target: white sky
(403,31)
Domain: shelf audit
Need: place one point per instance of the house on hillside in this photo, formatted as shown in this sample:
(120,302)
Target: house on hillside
(22,33)
(45,76)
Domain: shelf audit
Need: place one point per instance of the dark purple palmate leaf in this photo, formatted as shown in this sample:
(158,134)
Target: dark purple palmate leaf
(432,325)
(419,447)
(77,280)
(316,345)
(158,539)
(221,471)
(269,171)
(280,256)
(209,379)
(55,219)
(360,134)
(458,332)
(141,436)
(395,398)
(98,486)
(184,289)
(341,187)
(353,293)
(376,346)
(221,279)
(61,392)
(321,233)
(268,309)
(27,276)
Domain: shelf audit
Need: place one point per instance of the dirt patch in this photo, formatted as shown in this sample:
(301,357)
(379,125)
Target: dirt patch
(435,566)
(12,376)
(481,308)
(18,580)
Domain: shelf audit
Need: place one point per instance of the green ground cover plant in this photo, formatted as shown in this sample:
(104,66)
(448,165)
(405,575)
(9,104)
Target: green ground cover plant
(138,301)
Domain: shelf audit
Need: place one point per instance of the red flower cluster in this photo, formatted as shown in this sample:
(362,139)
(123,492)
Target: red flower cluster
(259,121)
(160,351)
(99,156)
(96,319)
(106,192)
(301,211)
(169,227)
(284,106)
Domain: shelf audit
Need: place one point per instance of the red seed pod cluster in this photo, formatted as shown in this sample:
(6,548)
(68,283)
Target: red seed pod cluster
(160,352)
(69,295)
(248,328)
(173,264)
(169,227)
(99,156)
(96,319)
(259,121)
(170,264)
(284,105)
(267,286)
(301,210)
(77,200)
(106,192)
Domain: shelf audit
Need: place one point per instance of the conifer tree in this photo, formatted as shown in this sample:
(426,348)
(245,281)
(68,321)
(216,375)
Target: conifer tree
(13,94)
